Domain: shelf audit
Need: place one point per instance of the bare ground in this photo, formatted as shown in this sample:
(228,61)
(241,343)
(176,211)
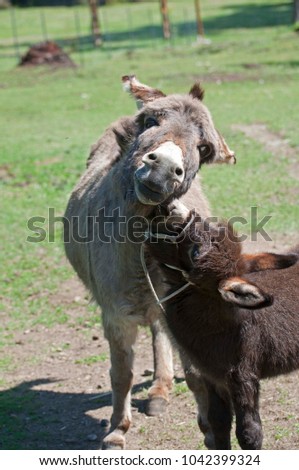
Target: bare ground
(273,142)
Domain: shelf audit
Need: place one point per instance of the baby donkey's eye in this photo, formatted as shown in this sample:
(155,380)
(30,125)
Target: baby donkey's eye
(150,122)
(195,252)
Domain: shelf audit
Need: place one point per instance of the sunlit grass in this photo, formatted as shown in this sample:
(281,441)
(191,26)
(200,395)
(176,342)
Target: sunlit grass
(50,118)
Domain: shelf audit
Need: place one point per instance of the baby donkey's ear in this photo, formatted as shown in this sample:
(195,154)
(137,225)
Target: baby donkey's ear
(264,261)
(244,294)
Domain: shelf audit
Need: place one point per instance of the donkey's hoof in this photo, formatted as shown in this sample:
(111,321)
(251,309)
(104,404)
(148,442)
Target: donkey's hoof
(209,441)
(155,406)
(114,441)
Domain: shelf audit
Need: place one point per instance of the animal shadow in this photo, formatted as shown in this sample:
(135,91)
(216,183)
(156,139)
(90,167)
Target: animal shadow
(33,418)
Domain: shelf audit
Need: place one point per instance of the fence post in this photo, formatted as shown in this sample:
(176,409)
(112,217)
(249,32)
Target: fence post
(78,34)
(186,26)
(151,26)
(130,28)
(14,28)
(104,24)
(43,25)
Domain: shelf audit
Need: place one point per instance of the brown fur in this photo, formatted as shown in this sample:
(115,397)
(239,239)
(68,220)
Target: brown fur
(264,261)
(141,92)
(197,92)
(236,326)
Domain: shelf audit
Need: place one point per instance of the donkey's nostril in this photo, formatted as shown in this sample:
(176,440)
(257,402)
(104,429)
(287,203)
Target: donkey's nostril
(152,156)
(179,171)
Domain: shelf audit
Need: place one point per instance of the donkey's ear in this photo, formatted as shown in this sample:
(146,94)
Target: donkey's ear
(124,131)
(263,261)
(142,93)
(245,294)
(225,154)
(197,92)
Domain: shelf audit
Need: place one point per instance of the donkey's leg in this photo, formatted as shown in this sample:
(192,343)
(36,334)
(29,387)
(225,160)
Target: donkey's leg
(200,392)
(163,371)
(245,395)
(219,416)
(121,340)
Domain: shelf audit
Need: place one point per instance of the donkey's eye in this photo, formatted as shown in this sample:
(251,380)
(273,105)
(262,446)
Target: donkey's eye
(205,151)
(150,122)
(195,252)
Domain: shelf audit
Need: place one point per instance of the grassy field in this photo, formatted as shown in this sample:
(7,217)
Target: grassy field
(49,118)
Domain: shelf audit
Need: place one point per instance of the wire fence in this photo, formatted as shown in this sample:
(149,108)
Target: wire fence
(123,27)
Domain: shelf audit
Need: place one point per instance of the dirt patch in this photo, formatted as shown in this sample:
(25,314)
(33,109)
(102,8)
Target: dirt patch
(252,66)
(216,77)
(48,161)
(5,173)
(57,390)
(274,143)
(228,77)
(46,53)
(70,291)
(284,242)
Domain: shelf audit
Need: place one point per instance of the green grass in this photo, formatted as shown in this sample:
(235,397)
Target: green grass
(49,119)
(281,433)
(93,359)
(180,388)
(6,363)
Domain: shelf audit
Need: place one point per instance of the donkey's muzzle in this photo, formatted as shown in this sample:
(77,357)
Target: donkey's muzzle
(160,174)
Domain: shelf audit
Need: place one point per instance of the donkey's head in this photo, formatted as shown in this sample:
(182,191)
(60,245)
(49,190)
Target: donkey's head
(205,252)
(210,257)
(174,136)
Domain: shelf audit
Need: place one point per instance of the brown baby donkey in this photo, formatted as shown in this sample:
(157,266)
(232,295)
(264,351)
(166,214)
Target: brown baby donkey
(237,321)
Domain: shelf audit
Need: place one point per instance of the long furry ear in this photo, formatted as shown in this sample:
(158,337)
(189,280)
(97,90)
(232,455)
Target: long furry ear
(265,261)
(142,93)
(197,91)
(224,154)
(244,294)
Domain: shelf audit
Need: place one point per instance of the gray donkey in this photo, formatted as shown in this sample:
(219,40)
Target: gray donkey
(143,166)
